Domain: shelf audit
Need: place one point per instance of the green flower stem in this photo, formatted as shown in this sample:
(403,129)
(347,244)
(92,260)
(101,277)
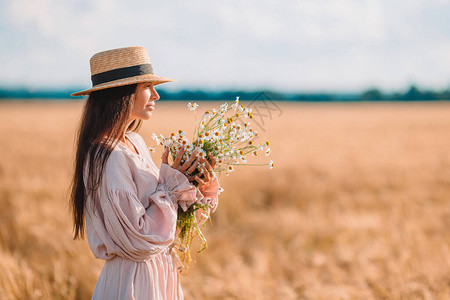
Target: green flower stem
(189,229)
(215,115)
(196,125)
(244,164)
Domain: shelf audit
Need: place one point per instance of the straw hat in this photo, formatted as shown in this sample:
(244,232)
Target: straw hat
(118,67)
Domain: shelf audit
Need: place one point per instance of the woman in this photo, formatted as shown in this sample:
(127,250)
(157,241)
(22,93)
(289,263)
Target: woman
(126,204)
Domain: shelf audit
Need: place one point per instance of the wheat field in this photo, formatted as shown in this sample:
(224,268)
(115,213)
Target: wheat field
(357,206)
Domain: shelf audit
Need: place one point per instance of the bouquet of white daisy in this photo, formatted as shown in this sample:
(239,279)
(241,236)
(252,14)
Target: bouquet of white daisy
(225,134)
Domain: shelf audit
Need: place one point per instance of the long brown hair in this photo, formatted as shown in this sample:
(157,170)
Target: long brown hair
(103,123)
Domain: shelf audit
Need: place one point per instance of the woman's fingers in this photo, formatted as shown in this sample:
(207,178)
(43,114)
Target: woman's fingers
(206,174)
(178,157)
(209,166)
(213,160)
(189,162)
(195,166)
(165,155)
(192,167)
(200,181)
(203,172)
(194,162)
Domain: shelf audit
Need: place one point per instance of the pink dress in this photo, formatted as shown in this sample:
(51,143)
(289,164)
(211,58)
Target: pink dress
(134,224)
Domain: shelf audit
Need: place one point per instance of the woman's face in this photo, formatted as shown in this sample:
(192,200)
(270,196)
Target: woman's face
(144,101)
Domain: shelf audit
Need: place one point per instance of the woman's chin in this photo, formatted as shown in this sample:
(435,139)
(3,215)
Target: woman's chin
(147,115)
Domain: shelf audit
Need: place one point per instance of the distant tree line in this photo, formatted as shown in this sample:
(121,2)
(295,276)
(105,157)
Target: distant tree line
(412,94)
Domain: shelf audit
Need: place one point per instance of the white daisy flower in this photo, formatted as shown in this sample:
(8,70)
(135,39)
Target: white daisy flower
(198,149)
(216,134)
(191,106)
(248,113)
(246,136)
(267,152)
(271,164)
(201,153)
(242,159)
(157,139)
(236,104)
(224,126)
(208,136)
(201,137)
(173,136)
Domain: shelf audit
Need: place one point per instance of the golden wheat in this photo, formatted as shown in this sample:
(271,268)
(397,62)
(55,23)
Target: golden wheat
(357,206)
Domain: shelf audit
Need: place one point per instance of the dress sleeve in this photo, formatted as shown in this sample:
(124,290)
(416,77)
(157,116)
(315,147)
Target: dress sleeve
(140,232)
(178,187)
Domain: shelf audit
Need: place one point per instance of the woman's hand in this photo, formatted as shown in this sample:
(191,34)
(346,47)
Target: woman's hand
(188,167)
(191,164)
(207,170)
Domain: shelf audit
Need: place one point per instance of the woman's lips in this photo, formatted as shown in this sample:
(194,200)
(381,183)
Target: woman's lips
(150,107)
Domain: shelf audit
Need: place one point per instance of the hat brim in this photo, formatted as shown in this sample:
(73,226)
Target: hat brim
(155,79)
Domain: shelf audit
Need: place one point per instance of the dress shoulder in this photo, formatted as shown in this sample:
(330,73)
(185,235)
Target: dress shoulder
(118,172)
(137,137)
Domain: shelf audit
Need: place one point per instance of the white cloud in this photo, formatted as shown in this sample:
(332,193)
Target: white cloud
(303,45)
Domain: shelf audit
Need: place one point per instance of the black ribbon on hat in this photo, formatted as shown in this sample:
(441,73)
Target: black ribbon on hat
(121,73)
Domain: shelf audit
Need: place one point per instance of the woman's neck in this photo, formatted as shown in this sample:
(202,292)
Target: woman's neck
(122,138)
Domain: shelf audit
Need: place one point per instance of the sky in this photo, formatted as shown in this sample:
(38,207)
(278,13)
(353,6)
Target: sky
(296,46)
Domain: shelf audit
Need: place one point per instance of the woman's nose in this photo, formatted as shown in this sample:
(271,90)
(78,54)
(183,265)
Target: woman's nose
(154,95)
